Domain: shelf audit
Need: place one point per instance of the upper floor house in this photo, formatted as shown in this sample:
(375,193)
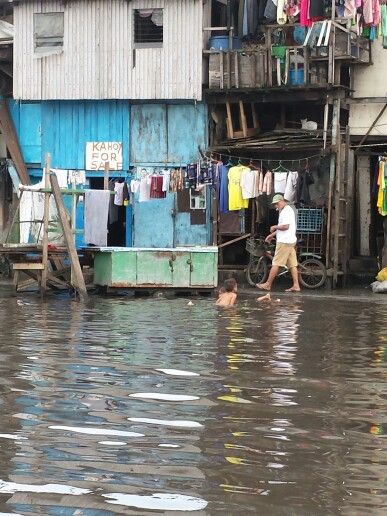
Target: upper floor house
(178,49)
(108,49)
(256,45)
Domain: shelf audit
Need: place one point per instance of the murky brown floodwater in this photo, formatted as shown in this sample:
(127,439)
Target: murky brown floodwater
(136,406)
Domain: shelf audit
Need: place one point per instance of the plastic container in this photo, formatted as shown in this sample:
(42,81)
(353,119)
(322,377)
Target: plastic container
(222,43)
(309,220)
(296,76)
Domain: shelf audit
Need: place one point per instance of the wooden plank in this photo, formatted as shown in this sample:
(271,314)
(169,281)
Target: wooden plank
(230,129)
(221,85)
(236,66)
(11,140)
(106,176)
(46,210)
(243,118)
(243,237)
(79,281)
(27,266)
(372,126)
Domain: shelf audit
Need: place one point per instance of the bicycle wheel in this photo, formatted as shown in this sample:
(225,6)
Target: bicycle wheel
(257,270)
(313,273)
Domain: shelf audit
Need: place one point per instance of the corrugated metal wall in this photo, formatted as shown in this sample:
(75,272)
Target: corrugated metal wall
(98,60)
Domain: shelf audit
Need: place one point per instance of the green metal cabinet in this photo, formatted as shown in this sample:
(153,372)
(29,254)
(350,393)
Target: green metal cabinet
(182,267)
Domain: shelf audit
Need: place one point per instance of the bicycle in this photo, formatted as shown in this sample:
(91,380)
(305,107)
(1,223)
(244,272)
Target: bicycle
(311,269)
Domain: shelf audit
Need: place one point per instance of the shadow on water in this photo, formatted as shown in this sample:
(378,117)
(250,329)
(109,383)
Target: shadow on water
(134,406)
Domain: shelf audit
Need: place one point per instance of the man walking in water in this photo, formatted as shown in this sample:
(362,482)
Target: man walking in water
(285,250)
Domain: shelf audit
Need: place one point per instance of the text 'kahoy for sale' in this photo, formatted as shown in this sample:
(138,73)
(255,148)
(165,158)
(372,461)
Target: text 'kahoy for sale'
(99,153)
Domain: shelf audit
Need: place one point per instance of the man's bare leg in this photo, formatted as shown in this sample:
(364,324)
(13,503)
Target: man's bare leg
(273,274)
(296,284)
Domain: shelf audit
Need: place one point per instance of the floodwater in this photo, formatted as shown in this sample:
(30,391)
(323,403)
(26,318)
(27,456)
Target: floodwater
(150,406)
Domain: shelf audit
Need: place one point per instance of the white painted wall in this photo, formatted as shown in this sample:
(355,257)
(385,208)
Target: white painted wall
(98,59)
(370,81)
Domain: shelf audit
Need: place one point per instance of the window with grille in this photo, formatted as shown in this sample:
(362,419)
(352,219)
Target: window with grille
(148,28)
(48,32)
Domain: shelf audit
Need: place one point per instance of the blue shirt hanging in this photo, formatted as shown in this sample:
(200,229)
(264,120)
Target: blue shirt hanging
(223,190)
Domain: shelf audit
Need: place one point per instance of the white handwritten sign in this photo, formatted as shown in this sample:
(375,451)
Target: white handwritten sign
(98,153)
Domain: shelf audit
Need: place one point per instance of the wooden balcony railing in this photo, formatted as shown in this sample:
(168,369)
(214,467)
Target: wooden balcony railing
(328,45)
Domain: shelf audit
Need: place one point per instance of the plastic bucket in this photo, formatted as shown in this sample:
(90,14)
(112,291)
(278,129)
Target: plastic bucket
(222,43)
(296,76)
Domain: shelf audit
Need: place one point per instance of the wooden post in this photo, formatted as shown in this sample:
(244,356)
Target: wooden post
(46,213)
(243,118)
(325,130)
(12,142)
(73,219)
(332,175)
(230,128)
(106,176)
(79,281)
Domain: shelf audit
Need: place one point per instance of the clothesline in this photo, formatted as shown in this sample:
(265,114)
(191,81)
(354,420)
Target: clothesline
(261,161)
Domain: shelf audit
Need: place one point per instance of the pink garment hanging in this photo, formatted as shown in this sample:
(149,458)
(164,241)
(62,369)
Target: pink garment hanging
(376,13)
(368,12)
(350,9)
(268,183)
(304,14)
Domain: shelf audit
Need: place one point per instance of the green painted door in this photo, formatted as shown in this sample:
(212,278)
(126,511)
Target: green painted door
(154,268)
(124,269)
(203,269)
(181,269)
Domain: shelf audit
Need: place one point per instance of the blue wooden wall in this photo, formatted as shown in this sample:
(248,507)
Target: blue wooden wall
(152,134)
(155,134)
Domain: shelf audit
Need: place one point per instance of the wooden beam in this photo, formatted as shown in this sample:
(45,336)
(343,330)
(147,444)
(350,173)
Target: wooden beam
(27,266)
(243,118)
(381,112)
(106,176)
(7,128)
(79,281)
(243,237)
(46,213)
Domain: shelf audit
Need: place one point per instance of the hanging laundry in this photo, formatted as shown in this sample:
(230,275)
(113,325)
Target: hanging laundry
(267,186)
(235,199)
(305,179)
(96,217)
(113,208)
(166,179)
(145,188)
(191,179)
(280,182)
(156,187)
(270,13)
(119,194)
(281,12)
(291,187)
(62,176)
(134,185)
(249,179)
(223,189)
(382,192)
(77,176)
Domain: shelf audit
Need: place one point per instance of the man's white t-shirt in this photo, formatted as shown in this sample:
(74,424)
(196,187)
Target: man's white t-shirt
(287,216)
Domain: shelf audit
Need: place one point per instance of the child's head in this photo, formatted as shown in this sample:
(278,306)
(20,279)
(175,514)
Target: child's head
(230,285)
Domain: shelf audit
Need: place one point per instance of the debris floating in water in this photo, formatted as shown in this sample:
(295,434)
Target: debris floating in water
(190,303)
(266,297)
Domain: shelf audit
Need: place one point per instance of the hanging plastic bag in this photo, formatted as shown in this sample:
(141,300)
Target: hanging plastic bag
(379,287)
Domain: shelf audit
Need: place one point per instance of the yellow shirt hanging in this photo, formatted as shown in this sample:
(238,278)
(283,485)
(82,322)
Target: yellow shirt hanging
(235,199)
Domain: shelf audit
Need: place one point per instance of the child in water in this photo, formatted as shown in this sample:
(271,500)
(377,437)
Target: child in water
(228,293)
